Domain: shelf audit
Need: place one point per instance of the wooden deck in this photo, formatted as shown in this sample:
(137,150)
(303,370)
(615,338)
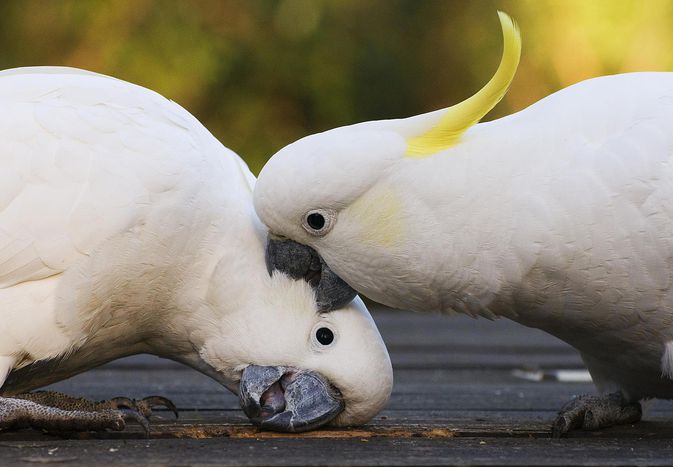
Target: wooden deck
(459,398)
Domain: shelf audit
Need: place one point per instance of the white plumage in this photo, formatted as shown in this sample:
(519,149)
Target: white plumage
(559,217)
(126,227)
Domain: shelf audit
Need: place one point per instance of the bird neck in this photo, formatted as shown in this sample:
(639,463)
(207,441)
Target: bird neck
(227,274)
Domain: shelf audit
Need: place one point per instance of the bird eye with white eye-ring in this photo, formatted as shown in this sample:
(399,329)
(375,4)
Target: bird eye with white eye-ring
(323,336)
(319,221)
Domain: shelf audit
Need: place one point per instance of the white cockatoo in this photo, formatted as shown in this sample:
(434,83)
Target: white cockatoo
(126,227)
(559,217)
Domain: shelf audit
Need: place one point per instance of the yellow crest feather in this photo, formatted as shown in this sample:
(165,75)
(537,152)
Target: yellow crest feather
(458,118)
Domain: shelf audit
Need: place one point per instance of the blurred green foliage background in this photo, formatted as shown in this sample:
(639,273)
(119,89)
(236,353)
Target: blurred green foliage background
(262,73)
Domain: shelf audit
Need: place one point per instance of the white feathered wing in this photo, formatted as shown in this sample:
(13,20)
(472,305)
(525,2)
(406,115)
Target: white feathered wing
(93,172)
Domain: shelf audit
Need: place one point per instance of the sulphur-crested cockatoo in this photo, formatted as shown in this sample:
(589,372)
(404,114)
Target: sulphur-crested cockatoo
(559,217)
(126,227)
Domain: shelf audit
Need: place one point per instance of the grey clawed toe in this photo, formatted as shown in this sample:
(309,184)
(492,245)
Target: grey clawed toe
(588,412)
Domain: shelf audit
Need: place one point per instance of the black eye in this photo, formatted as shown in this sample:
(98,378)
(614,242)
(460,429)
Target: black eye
(319,222)
(315,221)
(325,336)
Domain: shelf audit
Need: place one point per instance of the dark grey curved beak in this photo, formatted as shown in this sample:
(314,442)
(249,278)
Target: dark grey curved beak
(302,262)
(286,399)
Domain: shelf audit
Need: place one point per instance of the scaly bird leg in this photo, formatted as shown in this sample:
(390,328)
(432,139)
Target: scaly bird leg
(18,413)
(56,412)
(66,402)
(594,412)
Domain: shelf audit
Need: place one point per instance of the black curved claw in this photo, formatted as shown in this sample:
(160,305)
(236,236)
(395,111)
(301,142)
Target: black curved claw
(131,414)
(159,401)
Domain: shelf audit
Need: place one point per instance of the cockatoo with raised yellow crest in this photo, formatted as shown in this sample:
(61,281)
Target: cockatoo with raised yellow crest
(126,227)
(559,217)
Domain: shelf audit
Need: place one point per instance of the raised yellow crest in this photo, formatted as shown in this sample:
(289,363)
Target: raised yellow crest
(457,119)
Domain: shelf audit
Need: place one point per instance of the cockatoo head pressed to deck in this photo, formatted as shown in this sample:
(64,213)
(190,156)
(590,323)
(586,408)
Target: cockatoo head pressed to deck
(342,193)
(298,366)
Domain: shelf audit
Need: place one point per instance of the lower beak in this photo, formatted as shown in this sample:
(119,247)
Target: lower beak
(302,262)
(286,399)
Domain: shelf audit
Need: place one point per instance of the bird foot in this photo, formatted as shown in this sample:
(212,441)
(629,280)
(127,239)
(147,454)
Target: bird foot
(594,412)
(143,406)
(60,413)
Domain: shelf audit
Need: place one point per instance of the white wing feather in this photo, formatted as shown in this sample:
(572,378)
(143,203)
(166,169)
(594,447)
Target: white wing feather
(84,158)
(561,217)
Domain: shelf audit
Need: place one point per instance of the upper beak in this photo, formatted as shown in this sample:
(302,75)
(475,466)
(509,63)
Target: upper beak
(286,399)
(303,262)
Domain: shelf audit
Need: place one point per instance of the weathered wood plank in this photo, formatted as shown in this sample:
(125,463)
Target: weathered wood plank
(414,329)
(348,451)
